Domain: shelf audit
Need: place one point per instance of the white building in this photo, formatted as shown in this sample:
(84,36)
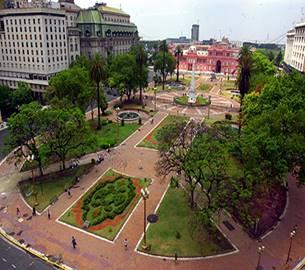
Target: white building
(36,43)
(295,48)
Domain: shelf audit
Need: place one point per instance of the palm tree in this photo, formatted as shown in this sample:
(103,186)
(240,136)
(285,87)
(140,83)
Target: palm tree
(141,59)
(97,74)
(178,54)
(244,75)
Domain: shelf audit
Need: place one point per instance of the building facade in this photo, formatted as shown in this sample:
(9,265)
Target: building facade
(105,30)
(220,57)
(195,32)
(38,39)
(295,48)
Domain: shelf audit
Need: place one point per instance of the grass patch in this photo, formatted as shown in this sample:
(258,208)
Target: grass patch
(229,85)
(107,204)
(150,141)
(49,187)
(205,87)
(178,231)
(200,101)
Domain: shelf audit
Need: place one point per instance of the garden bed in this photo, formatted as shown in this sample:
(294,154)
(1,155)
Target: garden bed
(179,231)
(46,189)
(150,141)
(183,100)
(262,213)
(107,205)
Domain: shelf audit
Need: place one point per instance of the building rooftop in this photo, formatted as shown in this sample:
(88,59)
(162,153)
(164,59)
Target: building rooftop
(89,16)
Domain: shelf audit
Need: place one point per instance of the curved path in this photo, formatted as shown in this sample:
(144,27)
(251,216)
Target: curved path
(54,239)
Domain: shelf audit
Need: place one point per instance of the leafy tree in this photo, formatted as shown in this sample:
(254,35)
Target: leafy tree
(65,131)
(142,71)
(178,54)
(25,127)
(73,84)
(6,103)
(122,74)
(82,61)
(22,95)
(164,63)
(98,74)
(278,59)
(103,103)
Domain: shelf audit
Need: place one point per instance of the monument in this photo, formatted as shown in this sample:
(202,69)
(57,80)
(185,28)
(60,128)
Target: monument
(192,96)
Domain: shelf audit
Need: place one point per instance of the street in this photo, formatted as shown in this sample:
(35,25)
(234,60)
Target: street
(14,258)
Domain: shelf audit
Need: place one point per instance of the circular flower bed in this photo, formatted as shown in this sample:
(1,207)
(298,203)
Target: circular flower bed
(108,200)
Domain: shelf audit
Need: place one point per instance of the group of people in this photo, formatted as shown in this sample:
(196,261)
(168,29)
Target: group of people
(74,164)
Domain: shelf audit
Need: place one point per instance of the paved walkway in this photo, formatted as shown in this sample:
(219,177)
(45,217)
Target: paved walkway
(53,238)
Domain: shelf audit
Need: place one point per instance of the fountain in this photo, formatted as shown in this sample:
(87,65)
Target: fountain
(192,96)
(128,116)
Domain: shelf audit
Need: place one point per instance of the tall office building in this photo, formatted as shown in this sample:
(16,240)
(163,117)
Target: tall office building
(38,39)
(195,32)
(295,48)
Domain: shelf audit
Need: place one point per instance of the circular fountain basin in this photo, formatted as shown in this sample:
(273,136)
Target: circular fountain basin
(128,116)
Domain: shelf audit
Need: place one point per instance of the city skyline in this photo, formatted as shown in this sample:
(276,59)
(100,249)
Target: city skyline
(266,25)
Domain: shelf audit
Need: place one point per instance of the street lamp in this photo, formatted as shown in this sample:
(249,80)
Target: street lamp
(117,109)
(292,235)
(260,252)
(30,159)
(155,92)
(145,195)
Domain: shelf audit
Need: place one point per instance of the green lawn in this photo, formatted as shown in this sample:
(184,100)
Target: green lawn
(106,230)
(205,87)
(150,141)
(183,100)
(48,187)
(177,219)
(229,85)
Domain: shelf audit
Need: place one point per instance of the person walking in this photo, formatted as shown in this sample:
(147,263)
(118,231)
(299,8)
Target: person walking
(18,212)
(74,244)
(69,193)
(34,211)
(126,244)
(49,214)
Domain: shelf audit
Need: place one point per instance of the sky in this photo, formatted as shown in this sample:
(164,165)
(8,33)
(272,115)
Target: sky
(243,20)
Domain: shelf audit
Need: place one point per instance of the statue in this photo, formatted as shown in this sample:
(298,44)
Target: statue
(192,96)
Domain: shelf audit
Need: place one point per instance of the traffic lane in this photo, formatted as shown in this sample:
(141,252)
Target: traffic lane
(14,258)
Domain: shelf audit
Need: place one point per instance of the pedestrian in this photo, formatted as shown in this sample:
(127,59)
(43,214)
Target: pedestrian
(176,257)
(74,244)
(69,193)
(49,214)
(18,212)
(126,244)
(152,120)
(34,211)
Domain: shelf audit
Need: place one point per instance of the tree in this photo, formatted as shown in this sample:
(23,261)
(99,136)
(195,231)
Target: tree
(82,61)
(6,103)
(278,59)
(178,54)
(73,84)
(65,131)
(165,64)
(142,71)
(122,74)
(103,103)
(25,127)
(98,74)
(22,95)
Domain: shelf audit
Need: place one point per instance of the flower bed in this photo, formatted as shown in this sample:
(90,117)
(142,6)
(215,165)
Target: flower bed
(107,205)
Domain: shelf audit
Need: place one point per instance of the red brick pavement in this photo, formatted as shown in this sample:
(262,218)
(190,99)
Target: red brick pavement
(92,253)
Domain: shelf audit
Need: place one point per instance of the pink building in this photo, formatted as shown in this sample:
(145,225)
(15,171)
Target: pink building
(221,57)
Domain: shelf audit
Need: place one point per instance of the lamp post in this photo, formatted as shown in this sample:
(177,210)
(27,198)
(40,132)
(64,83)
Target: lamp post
(260,252)
(292,235)
(145,195)
(117,109)
(30,159)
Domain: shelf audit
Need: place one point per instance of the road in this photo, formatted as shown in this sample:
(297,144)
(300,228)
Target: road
(14,258)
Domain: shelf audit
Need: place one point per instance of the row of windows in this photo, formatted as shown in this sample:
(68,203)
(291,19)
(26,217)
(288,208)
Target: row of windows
(32,67)
(114,19)
(21,52)
(300,31)
(32,59)
(31,44)
(34,21)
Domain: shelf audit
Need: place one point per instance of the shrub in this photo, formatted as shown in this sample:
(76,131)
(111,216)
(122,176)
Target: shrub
(96,212)
(174,182)
(228,116)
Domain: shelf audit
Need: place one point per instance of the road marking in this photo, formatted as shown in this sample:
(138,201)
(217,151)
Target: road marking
(3,259)
(14,266)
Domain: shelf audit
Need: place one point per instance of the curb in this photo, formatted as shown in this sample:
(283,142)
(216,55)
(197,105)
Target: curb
(32,251)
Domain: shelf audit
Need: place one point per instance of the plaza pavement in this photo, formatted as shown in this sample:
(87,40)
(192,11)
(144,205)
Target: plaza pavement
(52,238)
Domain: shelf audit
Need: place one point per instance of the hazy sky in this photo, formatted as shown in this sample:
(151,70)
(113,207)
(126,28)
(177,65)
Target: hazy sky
(237,19)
